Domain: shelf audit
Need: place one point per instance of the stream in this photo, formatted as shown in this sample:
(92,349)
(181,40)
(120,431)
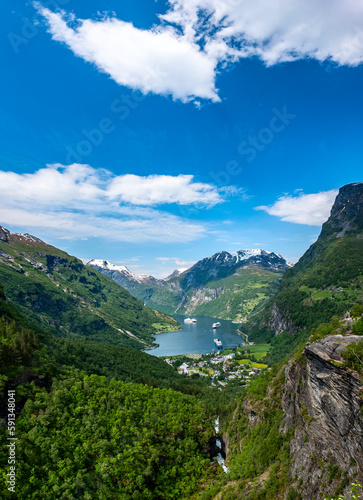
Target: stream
(220,458)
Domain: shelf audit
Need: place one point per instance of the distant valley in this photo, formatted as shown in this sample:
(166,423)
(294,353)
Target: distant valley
(225,285)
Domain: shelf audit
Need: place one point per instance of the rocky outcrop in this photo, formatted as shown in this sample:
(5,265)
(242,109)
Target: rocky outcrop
(4,234)
(201,296)
(323,401)
(8,236)
(347,212)
(226,445)
(278,322)
(253,416)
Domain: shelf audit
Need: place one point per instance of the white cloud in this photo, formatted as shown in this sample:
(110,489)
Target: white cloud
(158,60)
(76,185)
(282,30)
(309,209)
(178,262)
(196,39)
(156,189)
(169,264)
(78,201)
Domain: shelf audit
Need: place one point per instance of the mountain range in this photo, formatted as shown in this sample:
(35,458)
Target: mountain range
(119,423)
(225,285)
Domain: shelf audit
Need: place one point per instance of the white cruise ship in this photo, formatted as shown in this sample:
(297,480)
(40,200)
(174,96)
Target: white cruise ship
(218,343)
(190,320)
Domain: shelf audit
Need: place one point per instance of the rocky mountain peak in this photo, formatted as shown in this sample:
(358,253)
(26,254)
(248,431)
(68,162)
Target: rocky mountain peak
(176,273)
(254,256)
(6,235)
(121,274)
(223,264)
(347,212)
(105,264)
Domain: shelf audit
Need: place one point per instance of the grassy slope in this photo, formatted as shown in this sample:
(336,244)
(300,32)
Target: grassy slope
(238,295)
(305,296)
(72,299)
(159,297)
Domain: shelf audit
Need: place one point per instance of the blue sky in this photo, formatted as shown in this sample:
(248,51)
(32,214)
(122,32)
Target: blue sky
(155,141)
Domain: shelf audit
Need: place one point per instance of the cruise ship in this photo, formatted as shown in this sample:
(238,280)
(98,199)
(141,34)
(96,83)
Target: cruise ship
(218,343)
(216,325)
(190,320)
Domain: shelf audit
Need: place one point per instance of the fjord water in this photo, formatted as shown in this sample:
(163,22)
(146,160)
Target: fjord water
(196,338)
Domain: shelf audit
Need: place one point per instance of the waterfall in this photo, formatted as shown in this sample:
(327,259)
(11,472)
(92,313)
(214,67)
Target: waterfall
(220,458)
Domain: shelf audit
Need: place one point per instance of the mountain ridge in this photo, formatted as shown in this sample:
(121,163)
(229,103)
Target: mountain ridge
(328,278)
(211,287)
(71,299)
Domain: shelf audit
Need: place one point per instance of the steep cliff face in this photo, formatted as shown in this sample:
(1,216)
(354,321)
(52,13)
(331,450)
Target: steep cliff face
(347,212)
(297,433)
(278,322)
(323,401)
(326,281)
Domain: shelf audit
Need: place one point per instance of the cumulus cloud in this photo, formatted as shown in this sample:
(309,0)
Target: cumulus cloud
(156,60)
(156,189)
(78,201)
(78,184)
(309,209)
(274,31)
(196,39)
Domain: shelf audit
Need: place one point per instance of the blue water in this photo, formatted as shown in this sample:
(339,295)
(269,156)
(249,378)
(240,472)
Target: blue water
(196,338)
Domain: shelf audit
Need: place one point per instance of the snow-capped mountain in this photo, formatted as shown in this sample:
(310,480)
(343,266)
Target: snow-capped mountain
(202,288)
(223,264)
(121,274)
(176,273)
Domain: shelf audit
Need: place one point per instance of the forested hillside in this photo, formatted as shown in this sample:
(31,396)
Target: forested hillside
(62,295)
(82,435)
(90,438)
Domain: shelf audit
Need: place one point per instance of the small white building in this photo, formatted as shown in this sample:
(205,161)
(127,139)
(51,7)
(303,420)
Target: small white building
(215,361)
(183,369)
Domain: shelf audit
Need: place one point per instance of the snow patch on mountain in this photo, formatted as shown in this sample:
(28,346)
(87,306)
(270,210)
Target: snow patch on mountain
(176,273)
(122,270)
(254,255)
